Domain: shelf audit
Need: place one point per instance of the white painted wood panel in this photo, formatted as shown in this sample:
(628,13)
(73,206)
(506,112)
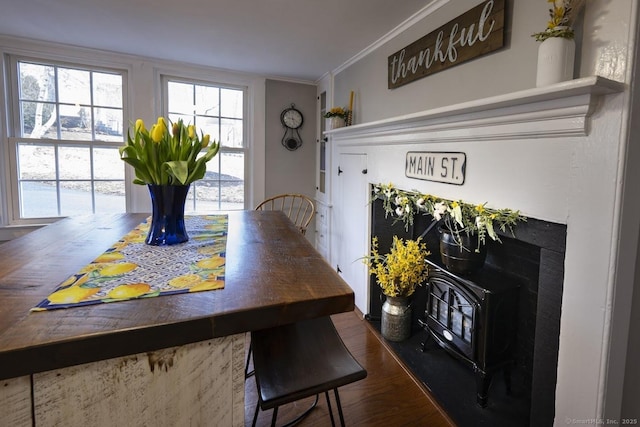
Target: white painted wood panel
(352,233)
(200,384)
(15,402)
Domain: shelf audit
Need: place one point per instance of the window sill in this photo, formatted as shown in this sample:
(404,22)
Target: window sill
(14,231)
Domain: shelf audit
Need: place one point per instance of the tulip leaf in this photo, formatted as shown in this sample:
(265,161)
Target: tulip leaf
(179,169)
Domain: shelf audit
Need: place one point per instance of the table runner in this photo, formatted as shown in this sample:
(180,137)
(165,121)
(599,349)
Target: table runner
(131,269)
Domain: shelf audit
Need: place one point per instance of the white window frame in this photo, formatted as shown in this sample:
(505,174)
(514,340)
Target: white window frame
(245,149)
(12,207)
(142,99)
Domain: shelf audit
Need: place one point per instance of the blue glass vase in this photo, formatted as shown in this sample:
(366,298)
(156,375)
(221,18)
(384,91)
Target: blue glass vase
(167,218)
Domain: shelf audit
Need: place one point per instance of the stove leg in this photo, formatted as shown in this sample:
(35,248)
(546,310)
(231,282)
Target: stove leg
(483,381)
(423,344)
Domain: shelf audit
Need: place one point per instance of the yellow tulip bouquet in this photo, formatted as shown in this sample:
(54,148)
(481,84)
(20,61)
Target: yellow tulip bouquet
(164,157)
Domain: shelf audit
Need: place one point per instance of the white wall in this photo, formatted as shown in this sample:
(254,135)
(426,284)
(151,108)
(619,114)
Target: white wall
(290,171)
(575,180)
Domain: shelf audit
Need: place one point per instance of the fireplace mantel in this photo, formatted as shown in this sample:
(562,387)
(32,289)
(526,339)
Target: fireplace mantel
(549,152)
(565,107)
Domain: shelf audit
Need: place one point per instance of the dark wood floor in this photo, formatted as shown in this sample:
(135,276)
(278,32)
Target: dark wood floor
(389,396)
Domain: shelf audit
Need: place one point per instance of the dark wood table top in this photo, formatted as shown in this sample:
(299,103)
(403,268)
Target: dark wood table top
(273,276)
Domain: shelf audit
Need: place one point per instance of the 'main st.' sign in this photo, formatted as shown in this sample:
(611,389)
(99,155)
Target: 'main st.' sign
(436,166)
(472,34)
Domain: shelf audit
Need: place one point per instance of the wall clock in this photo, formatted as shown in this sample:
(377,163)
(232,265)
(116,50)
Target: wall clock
(292,119)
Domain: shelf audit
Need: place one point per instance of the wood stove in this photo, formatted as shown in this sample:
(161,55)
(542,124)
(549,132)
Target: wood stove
(474,318)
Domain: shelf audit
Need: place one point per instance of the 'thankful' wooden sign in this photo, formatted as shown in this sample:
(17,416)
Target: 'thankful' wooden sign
(472,34)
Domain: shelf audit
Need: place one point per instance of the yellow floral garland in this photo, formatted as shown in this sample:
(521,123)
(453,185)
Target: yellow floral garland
(457,216)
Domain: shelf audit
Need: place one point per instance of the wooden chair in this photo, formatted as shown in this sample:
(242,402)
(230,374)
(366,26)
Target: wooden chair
(298,207)
(300,360)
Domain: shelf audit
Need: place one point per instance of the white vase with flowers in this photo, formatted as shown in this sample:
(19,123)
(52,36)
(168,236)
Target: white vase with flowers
(336,117)
(556,53)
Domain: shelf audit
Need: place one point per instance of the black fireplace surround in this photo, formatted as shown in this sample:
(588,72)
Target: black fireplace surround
(533,260)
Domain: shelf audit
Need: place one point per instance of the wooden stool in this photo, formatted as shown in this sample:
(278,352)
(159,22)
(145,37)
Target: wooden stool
(299,360)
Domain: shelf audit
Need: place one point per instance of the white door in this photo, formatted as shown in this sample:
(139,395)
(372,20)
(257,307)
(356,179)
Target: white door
(352,224)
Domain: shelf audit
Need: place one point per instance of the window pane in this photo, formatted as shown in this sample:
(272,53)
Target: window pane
(232,180)
(110,196)
(207,191)
(37,82)
(180,98)
(232,166)
(107,164)
(213,168)
(210,126)
(74,163)
(38,120)
(74,86)
(107,90)
(36,162)
(75,122)
(202,197)
(220,190)
(38,199)
(187,120)
(190,204)
(207,101)
(231,101)
(108,124)
(75,198)
(231,133)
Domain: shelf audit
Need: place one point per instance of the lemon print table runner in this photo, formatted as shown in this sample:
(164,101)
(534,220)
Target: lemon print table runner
(132,269)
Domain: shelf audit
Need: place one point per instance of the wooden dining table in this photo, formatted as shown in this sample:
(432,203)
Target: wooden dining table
(169,360)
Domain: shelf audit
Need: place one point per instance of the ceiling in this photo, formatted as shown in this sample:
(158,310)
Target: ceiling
(291,39)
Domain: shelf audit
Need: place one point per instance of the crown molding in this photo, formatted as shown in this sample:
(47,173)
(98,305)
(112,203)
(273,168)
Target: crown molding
(427,10)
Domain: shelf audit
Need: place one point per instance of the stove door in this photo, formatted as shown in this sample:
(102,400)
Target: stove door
(451,314)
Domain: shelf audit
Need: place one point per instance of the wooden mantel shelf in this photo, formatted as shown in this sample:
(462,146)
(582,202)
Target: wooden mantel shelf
(514,115)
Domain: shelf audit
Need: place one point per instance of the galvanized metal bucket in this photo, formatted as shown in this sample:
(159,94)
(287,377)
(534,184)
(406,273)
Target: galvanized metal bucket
(396,318)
